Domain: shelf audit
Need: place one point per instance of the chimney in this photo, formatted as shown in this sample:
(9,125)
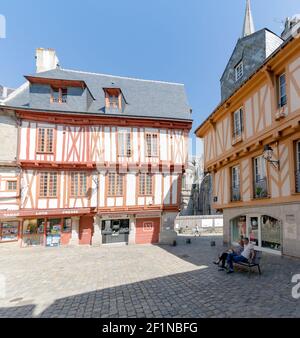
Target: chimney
(46,59)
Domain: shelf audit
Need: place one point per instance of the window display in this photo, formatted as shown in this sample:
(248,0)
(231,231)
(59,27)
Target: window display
(33,232)
(270,233)
(238,228)
(9,231)
(115,231)
(53,232)
(67,225)
(253,230)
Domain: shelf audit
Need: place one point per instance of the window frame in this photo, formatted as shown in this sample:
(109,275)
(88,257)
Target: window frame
(62,95)
(297,165)
(117,179)
(240,113)
(81,185)
(14,181)
(282,99)
(145,187)
(239,71)
(47,141)
(153,136)
(48,183)
(123,136)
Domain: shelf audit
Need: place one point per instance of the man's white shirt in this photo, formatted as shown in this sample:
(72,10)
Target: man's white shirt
(247,250)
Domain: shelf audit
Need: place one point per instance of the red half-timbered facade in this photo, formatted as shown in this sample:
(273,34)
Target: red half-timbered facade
(94,168)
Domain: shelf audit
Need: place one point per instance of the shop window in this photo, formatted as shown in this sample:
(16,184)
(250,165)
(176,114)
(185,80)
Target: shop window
(45,140)
(145,184)
(270,233)
(238,229)
(12,185)
(33,232)
(48,184)
(53,232)
(151,145)
(9,231)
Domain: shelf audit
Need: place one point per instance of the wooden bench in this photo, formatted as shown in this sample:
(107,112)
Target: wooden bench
(253,262)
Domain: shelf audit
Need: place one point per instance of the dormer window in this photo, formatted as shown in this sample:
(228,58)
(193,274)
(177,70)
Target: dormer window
(113,98)
(59,95)
(239,71)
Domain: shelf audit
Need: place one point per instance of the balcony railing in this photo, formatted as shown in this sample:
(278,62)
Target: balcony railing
(261,188)
(297,175)
(235,194)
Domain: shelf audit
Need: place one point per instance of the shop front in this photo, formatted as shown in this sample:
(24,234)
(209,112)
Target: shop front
(264,231)
(50,232)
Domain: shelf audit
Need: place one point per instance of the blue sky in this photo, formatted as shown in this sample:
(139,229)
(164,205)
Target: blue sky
(187,41)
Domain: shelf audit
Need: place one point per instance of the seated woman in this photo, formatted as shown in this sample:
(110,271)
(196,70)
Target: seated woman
(237,250)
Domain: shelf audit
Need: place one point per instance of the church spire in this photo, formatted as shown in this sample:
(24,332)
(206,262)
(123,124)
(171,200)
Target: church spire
(248,28)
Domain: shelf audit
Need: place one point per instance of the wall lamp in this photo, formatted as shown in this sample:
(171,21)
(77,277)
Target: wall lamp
(268,155)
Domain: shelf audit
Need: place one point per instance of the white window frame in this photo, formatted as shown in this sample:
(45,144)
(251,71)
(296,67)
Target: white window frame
(238,123)
(235,176)
(282,93)
(124,143)
(239,71)
(260,168)
(152,146)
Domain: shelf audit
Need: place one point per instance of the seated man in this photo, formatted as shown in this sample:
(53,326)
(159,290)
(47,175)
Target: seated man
(237,250)
(243,257)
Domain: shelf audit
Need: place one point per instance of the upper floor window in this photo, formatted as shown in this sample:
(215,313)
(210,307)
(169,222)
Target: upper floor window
(115,184)
(260,178)
(145,184)
(45,140)
(237,123)
(282,90)
(151,145)
(239,71)
(12,185)
(124,143)
(59,95)
(78,184)
(298,166)
(48,184)
(113,98)
(235,183)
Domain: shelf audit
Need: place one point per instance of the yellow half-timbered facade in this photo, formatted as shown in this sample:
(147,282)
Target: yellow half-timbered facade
(252,150)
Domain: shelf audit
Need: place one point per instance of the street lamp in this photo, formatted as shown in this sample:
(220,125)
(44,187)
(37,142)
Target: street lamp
(268,155)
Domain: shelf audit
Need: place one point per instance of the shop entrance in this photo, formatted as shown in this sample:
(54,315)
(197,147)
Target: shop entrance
(262,230)
(115,231)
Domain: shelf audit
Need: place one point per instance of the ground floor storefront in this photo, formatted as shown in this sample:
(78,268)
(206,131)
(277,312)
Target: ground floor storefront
(274,228)
(88,229)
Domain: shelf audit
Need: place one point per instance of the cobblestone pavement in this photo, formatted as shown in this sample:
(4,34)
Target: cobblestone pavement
(142,281)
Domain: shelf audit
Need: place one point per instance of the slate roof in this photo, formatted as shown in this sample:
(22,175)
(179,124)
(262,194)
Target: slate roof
(144,98)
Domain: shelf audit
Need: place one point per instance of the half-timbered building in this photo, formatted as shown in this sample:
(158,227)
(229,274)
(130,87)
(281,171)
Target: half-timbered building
(252,141)
(101,157)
